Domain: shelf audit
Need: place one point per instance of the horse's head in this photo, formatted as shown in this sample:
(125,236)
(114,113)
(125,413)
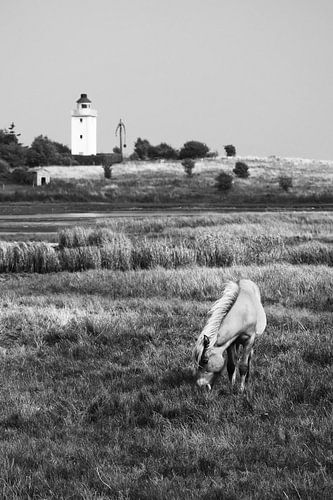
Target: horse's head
(210,364)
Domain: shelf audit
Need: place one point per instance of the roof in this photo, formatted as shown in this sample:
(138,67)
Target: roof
(39,170)
(83,98)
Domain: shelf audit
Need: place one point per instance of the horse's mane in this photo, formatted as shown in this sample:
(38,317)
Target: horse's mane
(216,314)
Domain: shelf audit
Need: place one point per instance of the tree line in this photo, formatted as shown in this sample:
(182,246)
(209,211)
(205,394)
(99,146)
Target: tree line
(143,150)
(42,151)
(15,158)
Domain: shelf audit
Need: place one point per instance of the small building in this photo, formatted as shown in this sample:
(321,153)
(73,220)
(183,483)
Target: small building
(40,177)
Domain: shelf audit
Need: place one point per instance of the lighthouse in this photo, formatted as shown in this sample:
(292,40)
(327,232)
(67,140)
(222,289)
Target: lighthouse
(84,127)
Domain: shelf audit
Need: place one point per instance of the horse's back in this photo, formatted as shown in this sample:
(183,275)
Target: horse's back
(252,293)
(246,315)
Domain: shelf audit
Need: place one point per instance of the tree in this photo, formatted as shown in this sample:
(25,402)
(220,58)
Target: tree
(43,151)
(162,151)
(21,176)
(224,181)
(241,170)
(141,148)
(4,169)
(193,149)
(11,150)
(230,150)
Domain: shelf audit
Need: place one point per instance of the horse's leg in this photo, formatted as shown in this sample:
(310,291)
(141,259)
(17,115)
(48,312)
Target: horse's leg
(249,366)
(231,363)
(244,366)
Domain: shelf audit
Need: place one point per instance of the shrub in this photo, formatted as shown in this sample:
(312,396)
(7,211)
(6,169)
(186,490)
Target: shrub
(107,171)
(212,154)
(162,151)
(21,176)
(193,149)
(188,165)
(285,182)
(241,170)
(230,150)
(224,181)
(134,157)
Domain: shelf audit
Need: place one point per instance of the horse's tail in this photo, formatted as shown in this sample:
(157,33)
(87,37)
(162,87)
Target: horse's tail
(217,313)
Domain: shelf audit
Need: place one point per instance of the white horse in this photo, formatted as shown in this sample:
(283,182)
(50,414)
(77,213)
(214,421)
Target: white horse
(235,320)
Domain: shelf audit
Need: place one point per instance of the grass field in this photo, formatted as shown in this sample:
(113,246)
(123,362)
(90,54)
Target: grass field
(97,389)
(166,184)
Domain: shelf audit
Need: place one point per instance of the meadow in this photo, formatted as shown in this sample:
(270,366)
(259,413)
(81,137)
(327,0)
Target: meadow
(152,184)
(96,334)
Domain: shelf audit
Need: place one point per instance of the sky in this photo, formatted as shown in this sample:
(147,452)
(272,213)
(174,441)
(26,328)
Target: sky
(257,74)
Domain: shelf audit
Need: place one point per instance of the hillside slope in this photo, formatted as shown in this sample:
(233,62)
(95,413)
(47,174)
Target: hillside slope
(152,184)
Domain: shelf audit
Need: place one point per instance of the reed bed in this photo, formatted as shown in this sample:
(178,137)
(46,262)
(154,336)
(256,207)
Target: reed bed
(288,222)
(84,248)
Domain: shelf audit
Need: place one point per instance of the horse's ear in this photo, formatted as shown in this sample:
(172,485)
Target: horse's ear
(206,341)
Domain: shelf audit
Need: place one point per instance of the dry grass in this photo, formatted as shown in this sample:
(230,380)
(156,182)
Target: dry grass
(149,184)
(212,240)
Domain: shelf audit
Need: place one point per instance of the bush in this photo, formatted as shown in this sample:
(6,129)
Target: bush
(285,182)
(224,181)
(162,151)
(107,171)
(230,150)
(193,149)
(241,170)
(188,165)
(22,176)
(212,154)
(134,157)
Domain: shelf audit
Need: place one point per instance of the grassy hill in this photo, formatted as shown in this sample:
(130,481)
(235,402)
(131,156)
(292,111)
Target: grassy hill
(166,184)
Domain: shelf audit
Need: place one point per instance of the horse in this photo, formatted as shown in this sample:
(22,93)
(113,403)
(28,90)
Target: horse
(234,320)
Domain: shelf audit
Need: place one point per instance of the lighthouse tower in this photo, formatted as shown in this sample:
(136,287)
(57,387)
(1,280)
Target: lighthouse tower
(84,127)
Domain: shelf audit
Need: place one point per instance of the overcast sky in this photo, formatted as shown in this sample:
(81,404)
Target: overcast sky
(254,73)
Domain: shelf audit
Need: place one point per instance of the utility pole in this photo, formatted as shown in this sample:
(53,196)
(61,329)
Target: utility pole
(122,130)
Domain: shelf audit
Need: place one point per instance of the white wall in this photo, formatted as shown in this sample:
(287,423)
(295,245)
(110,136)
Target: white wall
(79,172)
(85,126)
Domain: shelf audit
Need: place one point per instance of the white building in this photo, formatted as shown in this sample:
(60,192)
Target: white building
(40,176)
(84,128)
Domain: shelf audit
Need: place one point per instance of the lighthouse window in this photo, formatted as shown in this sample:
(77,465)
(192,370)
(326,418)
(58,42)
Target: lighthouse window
(81,136)
(81,120)
(84,106)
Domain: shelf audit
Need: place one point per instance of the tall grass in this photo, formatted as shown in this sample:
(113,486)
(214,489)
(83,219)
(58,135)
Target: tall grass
(28,257)
(90,236)
(83,249)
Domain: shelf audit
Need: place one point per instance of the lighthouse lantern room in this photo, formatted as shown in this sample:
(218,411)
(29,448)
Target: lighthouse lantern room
(84,127)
